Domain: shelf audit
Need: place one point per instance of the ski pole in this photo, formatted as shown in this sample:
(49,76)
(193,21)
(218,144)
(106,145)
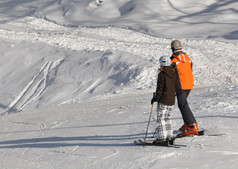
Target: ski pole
(148,124)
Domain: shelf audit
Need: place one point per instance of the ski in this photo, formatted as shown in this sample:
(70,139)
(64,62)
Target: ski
(201,133)
(151,142)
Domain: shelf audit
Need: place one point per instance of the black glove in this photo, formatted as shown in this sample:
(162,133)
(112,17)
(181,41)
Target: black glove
(154,98)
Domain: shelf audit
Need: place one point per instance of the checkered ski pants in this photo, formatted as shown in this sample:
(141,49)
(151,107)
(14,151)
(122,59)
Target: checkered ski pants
(164,124)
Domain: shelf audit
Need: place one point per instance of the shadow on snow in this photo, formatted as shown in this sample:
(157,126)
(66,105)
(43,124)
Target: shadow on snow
(87,141)
(54,142)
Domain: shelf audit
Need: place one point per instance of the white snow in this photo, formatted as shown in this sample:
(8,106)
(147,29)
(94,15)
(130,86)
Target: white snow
(77,77)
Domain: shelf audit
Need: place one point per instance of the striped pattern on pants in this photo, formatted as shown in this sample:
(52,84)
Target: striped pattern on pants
(164,124)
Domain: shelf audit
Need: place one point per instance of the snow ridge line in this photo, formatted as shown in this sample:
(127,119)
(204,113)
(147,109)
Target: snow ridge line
(86,39)
(35,88)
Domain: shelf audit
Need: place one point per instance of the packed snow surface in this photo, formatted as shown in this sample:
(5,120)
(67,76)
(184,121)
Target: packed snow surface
(77,77)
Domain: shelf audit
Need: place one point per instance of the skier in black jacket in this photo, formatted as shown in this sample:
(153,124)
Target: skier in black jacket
(167,86)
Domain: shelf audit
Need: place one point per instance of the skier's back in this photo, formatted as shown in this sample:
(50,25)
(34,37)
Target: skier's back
(183,67)
(167,86)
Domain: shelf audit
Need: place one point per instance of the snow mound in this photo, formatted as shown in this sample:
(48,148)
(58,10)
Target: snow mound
(110,9)
(56,64)
(47,59)
(193,19)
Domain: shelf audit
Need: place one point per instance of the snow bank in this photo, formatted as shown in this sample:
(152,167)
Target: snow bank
(172,18)
(46,63)
(52,64)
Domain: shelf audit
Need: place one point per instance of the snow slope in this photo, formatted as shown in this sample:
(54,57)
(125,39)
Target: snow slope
(95,61)
(77,79)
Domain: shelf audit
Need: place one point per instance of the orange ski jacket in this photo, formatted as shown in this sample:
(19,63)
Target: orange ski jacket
(183,68)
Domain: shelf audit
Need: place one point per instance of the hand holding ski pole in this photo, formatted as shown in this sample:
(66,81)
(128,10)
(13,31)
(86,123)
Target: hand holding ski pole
(153,99)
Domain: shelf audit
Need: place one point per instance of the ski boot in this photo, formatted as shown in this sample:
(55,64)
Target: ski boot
(191,130)
(170,141)
(183,127)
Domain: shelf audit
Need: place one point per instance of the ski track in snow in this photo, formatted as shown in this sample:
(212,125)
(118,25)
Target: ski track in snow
(66,136)
(144,46)
(35,88)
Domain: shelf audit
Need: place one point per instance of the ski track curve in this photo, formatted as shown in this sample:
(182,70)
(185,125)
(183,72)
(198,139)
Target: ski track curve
(35,88)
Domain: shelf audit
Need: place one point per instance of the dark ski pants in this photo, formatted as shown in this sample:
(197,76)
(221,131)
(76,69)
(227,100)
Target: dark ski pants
(185,110)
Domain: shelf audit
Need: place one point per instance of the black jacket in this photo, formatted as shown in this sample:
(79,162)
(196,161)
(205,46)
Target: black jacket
(167,86)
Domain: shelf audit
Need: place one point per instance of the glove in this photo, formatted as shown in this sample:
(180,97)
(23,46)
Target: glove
(153,100)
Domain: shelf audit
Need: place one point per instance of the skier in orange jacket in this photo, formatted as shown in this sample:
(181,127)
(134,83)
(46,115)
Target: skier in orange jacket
(182,65)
